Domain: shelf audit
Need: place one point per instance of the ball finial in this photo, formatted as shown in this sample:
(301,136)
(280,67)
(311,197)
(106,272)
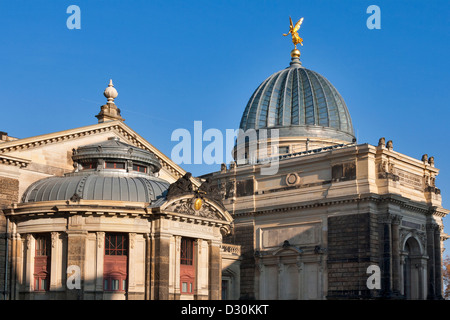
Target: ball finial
(110,92)
(295,53)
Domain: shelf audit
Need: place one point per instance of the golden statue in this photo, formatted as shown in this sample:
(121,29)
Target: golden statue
(293,31)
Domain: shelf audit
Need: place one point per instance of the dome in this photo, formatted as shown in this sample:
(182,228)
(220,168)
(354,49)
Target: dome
(97,187)
(300,103)
(110,170)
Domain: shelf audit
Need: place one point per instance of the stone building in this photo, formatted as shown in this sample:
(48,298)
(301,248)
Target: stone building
(305,211)
(334,211)
(98,213)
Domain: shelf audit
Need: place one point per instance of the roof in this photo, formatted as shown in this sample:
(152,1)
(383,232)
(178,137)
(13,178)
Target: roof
(300,102)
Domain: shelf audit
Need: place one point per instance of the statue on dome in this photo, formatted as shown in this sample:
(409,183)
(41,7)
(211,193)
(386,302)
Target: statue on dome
(293,30)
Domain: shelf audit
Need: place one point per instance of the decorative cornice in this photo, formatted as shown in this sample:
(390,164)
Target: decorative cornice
(13,161)
(391,199)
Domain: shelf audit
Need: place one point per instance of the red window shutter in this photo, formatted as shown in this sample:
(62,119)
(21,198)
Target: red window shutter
(187,266)
(42,263)
(115,262)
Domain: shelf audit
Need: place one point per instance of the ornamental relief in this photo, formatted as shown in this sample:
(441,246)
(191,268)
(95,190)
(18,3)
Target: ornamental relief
(419,235)
(192,207)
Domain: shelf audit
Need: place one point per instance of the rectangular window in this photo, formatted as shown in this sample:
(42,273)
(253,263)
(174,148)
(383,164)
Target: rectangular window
(187,266)
(42,262)
(90,165)
(139,168)
(114,165)
(115,262)
(116,245)
(187,251)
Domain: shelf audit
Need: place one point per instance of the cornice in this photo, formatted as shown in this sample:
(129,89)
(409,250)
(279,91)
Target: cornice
(374,198)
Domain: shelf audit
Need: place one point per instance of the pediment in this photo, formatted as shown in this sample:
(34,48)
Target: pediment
(186,205)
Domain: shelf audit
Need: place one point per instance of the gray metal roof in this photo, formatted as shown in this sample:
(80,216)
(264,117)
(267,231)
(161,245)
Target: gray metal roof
(113,148)
(101,182)
(97,187)
(298,101)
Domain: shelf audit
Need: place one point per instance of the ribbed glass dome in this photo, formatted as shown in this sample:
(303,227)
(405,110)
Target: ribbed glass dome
(299,102)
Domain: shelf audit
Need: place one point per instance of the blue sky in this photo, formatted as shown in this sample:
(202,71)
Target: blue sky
(175,62)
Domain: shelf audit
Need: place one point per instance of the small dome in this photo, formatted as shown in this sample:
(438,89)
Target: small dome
(97,187)
(109,170)
(299,102)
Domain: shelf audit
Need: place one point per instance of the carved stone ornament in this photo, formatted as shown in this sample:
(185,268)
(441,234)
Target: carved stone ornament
(55,236)
(180,187)
(132,240)
(292,179)
(187,206)
(100,239)
(211,191)
(75,198)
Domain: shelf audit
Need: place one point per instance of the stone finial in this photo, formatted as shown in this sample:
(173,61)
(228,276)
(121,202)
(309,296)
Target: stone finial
(110,92)
(109,111)
(389,145)
(381,142)
(431,161)
(425,157)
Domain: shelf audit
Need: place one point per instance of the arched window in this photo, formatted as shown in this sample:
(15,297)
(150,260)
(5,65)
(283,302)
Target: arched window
(42,262)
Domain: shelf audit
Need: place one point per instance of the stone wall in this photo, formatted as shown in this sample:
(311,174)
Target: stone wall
(352,247)
(9,193)
(243,235)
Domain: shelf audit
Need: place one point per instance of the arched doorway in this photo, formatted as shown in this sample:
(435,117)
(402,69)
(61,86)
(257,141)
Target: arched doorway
(412,270)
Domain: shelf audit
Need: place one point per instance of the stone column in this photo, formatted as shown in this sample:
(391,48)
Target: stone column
(300,266)
(148,267)
(387,255)
(215,271)
(30,249)
(131,285)
(76,255)
(99,264)
(261,280)
(162,265)
(202,261)
(281,268)
(55,263)
(431,261)
(396,277)
(438,262)
(15,269)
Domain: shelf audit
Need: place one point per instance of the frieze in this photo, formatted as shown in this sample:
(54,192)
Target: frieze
(409,179)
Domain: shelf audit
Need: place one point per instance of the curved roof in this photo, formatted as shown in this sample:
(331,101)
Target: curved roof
(97,187)
(113,148)
(300,102)
(130,178)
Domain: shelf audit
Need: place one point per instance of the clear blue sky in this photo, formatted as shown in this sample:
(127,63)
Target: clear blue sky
(174,62)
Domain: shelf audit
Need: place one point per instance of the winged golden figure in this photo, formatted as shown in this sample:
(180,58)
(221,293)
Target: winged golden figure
(293,31)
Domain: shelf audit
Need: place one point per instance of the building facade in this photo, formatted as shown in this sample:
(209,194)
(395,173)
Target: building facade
(335,212)
(304,212)
(98,213)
